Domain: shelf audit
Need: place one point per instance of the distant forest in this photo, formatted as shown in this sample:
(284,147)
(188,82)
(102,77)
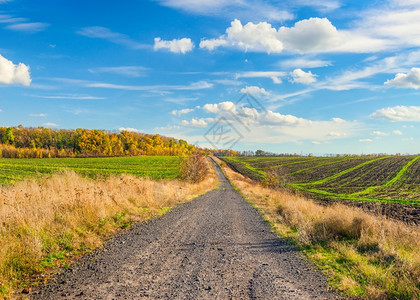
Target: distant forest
(40,142)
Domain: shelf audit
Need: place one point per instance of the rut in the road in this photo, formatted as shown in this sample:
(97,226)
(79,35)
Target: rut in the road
(216,246)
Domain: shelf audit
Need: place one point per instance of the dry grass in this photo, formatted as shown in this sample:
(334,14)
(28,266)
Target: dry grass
(44,223)
(364,255)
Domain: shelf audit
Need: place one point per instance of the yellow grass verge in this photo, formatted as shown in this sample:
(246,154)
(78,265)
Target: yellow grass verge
(363,255)
(46,222)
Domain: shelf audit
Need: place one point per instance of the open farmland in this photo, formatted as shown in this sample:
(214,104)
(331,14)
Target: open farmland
(390,179)
(154,167)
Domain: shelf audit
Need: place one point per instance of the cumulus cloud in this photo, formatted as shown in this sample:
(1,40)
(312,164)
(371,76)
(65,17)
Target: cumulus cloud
(14,74)
(254,90)
(276,127)
(406,80)
(129,129)
(309,35)
(300,76)
(260,37)
(181,111)
(226,106)
(202,122)
(212,44)
(397,132)
(183,45)
(398,114)
(365,140)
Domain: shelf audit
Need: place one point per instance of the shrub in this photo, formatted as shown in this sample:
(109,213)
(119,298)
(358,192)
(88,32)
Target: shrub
(194,168)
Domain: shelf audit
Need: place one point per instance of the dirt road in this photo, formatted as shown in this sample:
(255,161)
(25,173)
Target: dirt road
(215,247)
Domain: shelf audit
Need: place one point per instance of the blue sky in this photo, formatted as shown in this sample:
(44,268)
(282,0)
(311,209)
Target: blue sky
(284,76)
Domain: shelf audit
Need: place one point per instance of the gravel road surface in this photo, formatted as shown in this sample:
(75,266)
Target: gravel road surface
(214,247)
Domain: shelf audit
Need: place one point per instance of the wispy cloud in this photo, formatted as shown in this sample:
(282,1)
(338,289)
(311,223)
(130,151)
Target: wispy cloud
(182,111)
(199,85)
(130,129)
(11,19)
(71,96)
(32,27)
(273,75)
(38,115)
(248,9)
(50,124)
(131,71)
(304,63)
(113,37)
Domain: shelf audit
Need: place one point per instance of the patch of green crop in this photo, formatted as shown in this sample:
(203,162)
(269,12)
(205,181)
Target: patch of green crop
(154,167)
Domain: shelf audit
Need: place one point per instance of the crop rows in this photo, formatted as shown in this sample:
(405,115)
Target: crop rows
(361,178)
(155,167)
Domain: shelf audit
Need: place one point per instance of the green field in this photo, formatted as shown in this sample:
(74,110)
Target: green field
(155,167)
(359,178)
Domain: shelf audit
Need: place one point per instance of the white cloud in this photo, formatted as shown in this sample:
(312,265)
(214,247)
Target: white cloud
(408,139)
(254,90)
(38,115)
(212,44)
(270,126)
(49,124)
(199,85)
(260,37)
(203,122)
(397,132)
(1,110)
(28,27)
(380,133)
(132,71)
(408,80)
(310,35)
(304,63)
(398,114)
(183,45)
(129,129)
(249,9)
(300,76)
(14,74)
(275,76)
(113,37)
(69,96)
(321,5)
(336,134)
(226,106)
(365,140)
(182,111)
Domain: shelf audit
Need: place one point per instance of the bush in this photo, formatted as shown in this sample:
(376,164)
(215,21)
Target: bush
(194,168)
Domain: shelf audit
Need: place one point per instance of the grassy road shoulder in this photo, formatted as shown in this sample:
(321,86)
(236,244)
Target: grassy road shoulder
(46,222)
(363,255)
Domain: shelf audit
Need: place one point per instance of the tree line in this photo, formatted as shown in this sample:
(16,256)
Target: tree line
(40,142)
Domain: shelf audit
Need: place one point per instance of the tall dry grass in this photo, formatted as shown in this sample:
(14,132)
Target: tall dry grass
(364,255)
(45,222)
